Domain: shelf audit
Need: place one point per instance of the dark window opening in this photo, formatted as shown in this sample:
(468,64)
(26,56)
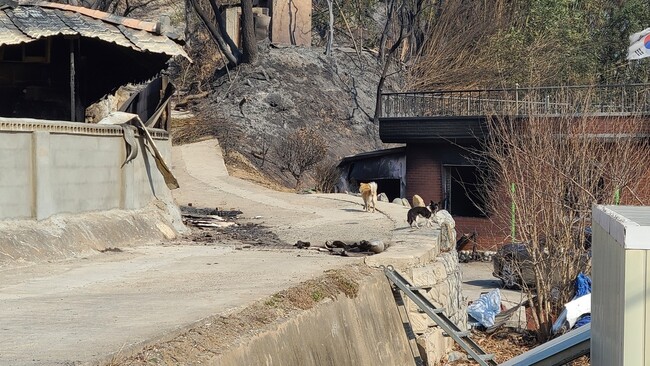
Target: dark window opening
(390,187)
(464,191)
(12,53)
(35,51)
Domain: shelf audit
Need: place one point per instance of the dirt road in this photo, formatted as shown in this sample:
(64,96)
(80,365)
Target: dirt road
(86,309)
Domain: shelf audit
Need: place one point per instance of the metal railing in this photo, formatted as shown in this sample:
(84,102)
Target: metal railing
(555,100)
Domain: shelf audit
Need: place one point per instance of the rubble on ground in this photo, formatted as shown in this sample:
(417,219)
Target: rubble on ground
(214,226)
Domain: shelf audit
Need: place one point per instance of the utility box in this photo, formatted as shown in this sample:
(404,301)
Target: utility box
(620,308)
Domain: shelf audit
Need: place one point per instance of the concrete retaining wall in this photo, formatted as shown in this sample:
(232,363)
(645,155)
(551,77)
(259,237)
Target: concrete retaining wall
(51,171)
(365,330)
(62,167)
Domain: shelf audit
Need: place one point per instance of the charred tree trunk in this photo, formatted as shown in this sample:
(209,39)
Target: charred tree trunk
(407,14)
(293,12)
(217,35)
(330,32)
(390,6)
(249,43)
(216,9)
(383,76)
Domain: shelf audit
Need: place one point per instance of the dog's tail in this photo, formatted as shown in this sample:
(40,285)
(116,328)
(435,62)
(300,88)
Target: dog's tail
(373,188)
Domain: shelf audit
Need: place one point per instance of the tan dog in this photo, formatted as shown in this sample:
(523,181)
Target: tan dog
(418,201)
(369,194)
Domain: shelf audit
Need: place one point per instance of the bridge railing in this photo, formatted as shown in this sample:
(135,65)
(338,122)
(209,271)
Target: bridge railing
(556,100)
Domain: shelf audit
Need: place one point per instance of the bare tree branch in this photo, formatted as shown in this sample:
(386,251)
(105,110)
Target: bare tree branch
(214,32)
(300,152)
(560,167)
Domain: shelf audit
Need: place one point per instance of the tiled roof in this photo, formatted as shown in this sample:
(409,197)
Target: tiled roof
(31,21)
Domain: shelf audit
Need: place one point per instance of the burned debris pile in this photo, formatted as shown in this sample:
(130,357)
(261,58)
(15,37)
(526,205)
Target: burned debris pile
(215,226)
(337,247)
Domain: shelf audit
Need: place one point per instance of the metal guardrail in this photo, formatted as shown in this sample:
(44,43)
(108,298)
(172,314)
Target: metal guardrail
(437,315)
(559,351)
(621,99)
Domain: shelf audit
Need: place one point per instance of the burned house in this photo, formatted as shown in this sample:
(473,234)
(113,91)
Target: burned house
(57,59)
(385,167)
(285,22)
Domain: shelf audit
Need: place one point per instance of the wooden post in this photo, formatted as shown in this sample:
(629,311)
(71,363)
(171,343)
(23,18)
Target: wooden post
(73,107)
(166,119)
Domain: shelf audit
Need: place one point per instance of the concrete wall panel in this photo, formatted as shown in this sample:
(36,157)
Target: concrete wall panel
(50,168)
(85,172)
(15,175)
(365,330)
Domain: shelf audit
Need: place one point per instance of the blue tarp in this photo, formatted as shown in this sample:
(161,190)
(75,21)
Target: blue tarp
(582,288)
(583,285)
(585,319)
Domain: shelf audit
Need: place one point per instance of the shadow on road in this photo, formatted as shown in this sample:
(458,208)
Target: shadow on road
(487,283)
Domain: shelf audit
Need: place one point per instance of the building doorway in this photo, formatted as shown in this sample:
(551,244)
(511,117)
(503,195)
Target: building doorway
(391,187)
(464,194)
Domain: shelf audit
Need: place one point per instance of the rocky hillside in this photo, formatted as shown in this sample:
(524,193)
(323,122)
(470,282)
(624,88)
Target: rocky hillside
(252,108)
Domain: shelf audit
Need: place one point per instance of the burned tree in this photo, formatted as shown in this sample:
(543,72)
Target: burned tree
(249,43)
(403,15)
(300,152)
(327,175)
(330,31)
(214,22)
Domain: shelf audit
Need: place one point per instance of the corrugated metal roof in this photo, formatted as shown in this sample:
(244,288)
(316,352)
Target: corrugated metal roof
(30,22)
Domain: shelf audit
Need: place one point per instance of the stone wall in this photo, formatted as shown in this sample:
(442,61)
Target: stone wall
(443,287)
(419,258)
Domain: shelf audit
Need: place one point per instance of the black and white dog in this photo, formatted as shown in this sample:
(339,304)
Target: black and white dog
(426,212)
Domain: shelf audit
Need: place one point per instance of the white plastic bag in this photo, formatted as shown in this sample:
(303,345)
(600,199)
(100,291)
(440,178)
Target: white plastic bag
(486,308)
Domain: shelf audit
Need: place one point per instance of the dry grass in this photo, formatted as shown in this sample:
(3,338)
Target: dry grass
(506,344)
(193,129)
(188,130)
(240,167)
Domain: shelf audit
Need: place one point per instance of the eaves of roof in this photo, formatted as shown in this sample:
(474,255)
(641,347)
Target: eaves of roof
(32,21)
(373,154)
